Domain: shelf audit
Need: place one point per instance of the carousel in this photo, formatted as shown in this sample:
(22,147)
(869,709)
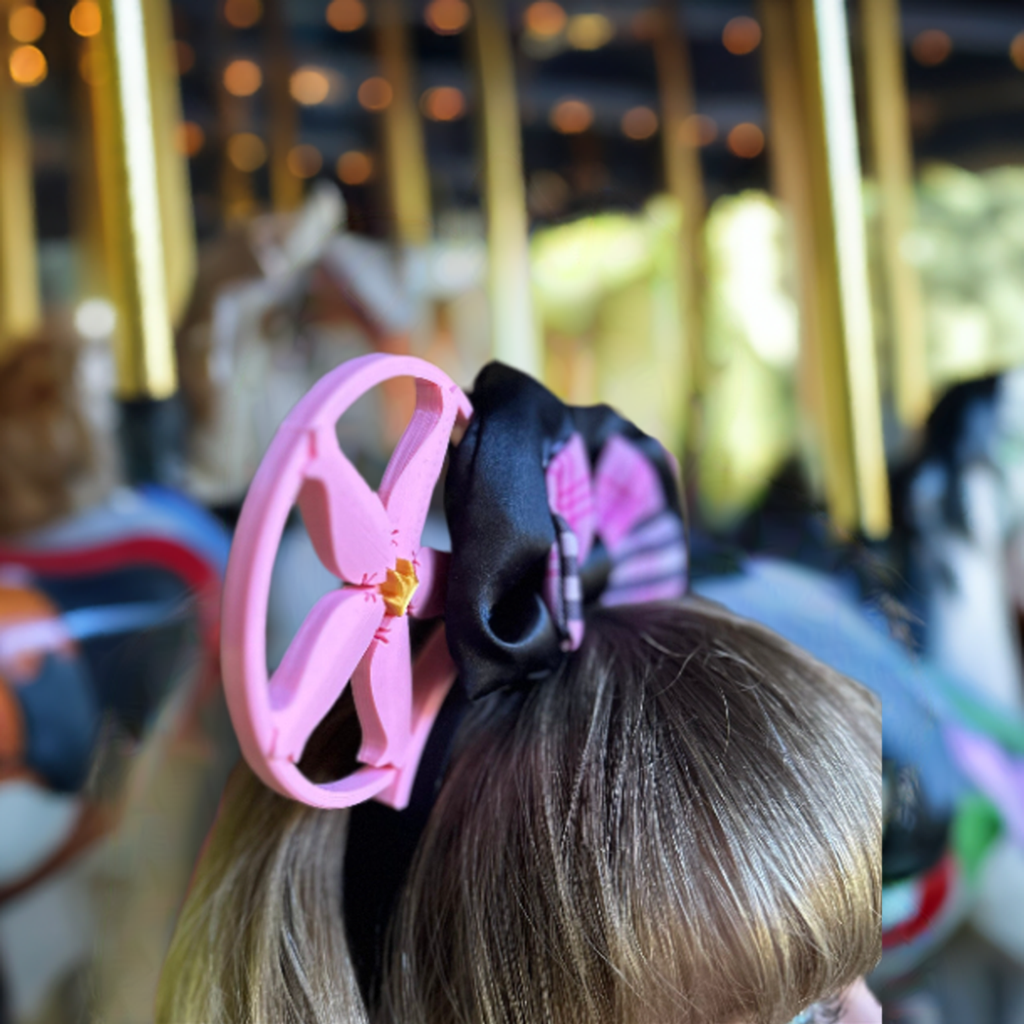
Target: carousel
(786,236)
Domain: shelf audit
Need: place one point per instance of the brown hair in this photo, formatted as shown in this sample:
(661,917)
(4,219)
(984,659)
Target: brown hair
(684,826)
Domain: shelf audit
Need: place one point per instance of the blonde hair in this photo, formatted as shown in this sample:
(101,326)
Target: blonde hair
(684,826)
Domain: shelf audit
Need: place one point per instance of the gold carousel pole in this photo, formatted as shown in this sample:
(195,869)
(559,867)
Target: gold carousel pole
(404,146)
(889,124)
(513,328)
(806,44)
(20,311)
(134,238)
(285,187)
(683,176)
(179,235)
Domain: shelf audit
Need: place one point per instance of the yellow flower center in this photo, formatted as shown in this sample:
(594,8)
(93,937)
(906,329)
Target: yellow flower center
(399,587)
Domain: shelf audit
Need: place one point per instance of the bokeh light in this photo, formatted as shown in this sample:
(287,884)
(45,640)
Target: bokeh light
(95,319)
(698,130)
(589,31)
(242,77)
(189,138)
(85,18)
(376,94)
(27,65)
(746,140)
(346,15)
(184,56)
(570,117)
(447,17)
(443,103)
(544,19)
(639,123)
(304,161)
(26,24)
(242,13)
(355,167)
(931,47)
(247,151)
(1017,51)
(741,35)
(309,86)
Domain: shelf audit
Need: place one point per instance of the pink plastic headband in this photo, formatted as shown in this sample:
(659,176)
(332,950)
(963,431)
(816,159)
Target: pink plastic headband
(360,632)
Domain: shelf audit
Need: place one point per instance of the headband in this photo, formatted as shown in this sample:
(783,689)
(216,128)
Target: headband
(551,508)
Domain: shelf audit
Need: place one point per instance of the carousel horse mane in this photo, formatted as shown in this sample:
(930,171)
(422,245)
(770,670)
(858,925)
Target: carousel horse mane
(44,441)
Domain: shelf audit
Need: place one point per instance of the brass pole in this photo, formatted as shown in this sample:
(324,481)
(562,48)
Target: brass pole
(20,311)
(683,176)
(833,259)
(889,125)
(513,328)
(130,201)
(285,187)
(404,145)
(171,165)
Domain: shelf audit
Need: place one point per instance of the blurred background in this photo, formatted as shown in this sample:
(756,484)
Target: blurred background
(786,237)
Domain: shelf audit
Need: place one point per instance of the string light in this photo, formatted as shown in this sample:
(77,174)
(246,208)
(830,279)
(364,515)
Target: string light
(1017,51)
(639,123)
(85,18)
(27,65)
(242,13)
(746,140)
(741,36)
(698,130)
(304,161)
(570,117)
(346,15)
(447,17)
(189,138)
(247,151)
(443,103)
(589,31)
(931,47)
(309,86)
(355,167)
(375,94)
(26,24)
(544,19)
(242,78)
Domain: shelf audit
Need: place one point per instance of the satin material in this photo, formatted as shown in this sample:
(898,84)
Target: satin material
(500,630)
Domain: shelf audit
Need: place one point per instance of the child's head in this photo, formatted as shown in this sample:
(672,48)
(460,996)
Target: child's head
(670,816)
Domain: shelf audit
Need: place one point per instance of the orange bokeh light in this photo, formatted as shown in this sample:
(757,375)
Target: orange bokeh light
(184,56)
(447,17)
(570,117)
(27,65)
(346,15)
(242,13)
(698,130)
(309,86)
(741,35)
(1017,51)
(247,151)
(26,24)
(85,18)
(746,140)
(443,103)
(544,18)
(376,94)
(355,167)
(931,47)
(189,138)
(639,123)
(304,161)
(242,78)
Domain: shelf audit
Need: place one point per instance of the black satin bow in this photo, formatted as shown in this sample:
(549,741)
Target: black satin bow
(500,631)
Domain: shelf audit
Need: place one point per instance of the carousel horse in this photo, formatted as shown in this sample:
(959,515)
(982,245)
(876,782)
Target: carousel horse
(107,614)
(953,762)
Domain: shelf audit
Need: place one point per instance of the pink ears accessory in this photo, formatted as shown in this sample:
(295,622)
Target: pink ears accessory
(371,542)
